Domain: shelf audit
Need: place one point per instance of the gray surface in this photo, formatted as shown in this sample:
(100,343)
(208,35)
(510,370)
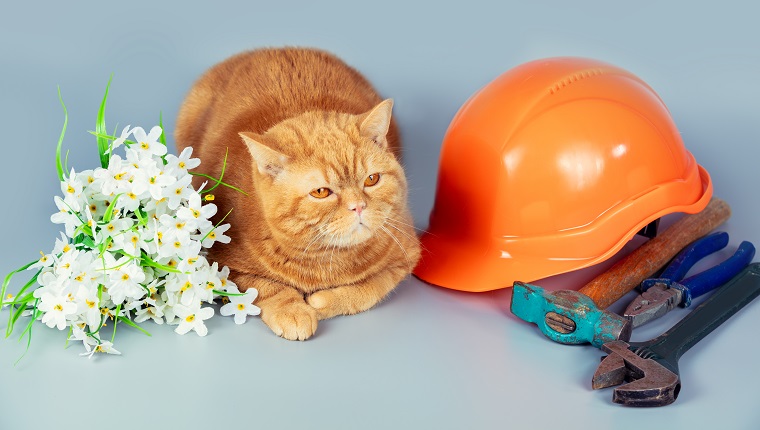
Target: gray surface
(427,358)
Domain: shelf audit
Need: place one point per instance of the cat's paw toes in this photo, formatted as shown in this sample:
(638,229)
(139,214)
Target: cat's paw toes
(293,322)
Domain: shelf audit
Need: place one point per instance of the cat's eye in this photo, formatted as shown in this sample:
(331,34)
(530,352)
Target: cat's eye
(371,179)
(321,193)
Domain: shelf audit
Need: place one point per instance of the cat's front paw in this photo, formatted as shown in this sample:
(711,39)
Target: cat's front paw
(294,321)
(323,302)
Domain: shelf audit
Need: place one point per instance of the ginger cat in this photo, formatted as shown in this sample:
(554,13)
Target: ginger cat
(325,229)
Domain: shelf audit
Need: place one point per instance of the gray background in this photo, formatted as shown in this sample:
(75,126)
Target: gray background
(427,358)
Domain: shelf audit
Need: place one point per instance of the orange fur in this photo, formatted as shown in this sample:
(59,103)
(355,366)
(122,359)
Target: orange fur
(294,121)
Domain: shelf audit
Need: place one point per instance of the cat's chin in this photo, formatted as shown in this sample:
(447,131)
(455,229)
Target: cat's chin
(359,234)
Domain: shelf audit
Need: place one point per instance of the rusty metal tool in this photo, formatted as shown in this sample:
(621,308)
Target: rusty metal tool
(651,368)
(573,317)
(662,294)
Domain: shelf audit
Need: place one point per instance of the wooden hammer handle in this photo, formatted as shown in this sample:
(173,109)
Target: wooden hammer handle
(644,262)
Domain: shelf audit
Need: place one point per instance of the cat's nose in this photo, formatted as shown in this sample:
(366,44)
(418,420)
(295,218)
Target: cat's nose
(358,207)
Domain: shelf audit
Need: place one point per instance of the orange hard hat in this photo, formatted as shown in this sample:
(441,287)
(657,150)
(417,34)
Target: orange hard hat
(550,168)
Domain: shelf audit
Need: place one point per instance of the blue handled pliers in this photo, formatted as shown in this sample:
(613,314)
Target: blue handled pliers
(660,295)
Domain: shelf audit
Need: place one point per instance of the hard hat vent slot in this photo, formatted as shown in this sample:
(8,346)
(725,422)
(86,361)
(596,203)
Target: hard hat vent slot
(575,77)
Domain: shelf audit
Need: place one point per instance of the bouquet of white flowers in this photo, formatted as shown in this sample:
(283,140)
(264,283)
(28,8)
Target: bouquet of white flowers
(132,247)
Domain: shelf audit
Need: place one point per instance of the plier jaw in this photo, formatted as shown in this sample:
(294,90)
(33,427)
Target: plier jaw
(655,302)
(660,295)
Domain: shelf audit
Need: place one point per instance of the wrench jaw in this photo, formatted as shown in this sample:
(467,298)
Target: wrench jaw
(645,382)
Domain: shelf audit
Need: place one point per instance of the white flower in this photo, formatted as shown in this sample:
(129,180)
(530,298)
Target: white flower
(216,235)
(224,276)
(65,216)
(56,309)
(192,317)
(148,145)
(124,278)
(113,180)
(180,165)
(104,347)
(46,260)
(120,140)
(152,309)
(88,306)
(72,191)
(197,215)
(180,190)
(241,306)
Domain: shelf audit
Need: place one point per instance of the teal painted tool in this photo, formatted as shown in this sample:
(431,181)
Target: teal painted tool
(568,316)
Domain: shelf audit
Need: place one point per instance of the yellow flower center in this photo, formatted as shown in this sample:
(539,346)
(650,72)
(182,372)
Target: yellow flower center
(187,286)
(144,145)
(134,240)
(99,349)
(104,311)
(190,318)
(66,248)
(70,189)
(58,308)
(241,306)
(225,300)
(93,208)
(119,176)
(210,285)
(177,244)
(178,191)
(196,213)
(171,263)
(208,197)
(132,196)
(180,225)
(110,227)
(212,235)
(90,303)
(224,282)
(125,277)
(181,164)
(79,277)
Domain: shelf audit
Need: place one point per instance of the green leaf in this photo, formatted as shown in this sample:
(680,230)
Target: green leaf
(109,211)
(58,165)
(226,294)
(131,323)
(148,262)
(100,128)
(220,182)
(161,138)
(28,331)
(115,321)
(221,176)
(8,277)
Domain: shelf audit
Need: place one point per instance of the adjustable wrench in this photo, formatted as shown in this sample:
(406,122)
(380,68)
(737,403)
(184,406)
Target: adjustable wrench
(651,367)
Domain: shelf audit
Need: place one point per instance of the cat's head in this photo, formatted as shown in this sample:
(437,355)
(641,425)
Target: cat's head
(328,179)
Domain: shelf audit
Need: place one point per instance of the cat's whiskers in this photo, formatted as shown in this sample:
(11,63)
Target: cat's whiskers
(396,221)
(321,233)
(389,233)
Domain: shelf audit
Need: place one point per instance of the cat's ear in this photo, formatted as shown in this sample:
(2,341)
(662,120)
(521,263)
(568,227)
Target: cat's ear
(375,123)
(269,161)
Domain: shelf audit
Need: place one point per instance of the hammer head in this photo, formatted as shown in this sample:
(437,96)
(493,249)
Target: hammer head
(649,382)
(568,316)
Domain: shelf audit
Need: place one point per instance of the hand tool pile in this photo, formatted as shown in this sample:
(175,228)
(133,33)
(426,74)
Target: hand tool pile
(648,371)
